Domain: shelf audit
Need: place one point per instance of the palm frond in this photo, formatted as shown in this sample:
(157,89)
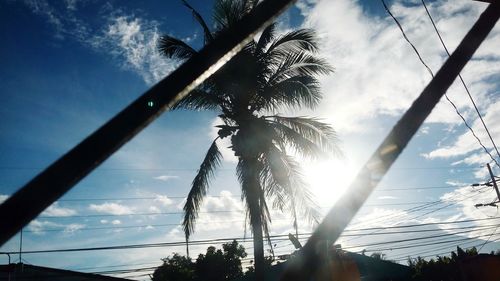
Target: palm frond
(228,12)
(298,64)
(198,99)
(266,36)
(293,92)
(319,133)
(298,143)
(285,185)
(207,34)
(172,47)
(297,40)
(248,172)
(199,187)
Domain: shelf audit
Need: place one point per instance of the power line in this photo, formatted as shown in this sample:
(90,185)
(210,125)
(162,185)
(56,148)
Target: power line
(221,240)
(229,169)
(238,221)
(432,74)
(420,208)
(444,253)
(461,79)
(421,215)
(218,211)
(237,195)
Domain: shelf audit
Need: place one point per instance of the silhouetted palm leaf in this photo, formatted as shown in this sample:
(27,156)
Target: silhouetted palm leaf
(199,187)
(319,133)
(293,92)
(266,36)
(198,99)
(201,21)
(298,40)
(299,64)
(174,48)
(285,184)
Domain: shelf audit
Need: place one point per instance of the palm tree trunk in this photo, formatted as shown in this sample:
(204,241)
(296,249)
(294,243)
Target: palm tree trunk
(252,189)
(258,249)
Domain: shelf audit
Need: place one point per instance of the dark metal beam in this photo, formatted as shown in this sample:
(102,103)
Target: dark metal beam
(58,178)
(305,264)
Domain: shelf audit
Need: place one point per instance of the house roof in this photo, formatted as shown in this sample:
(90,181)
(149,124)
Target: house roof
(369,269)
(27,272)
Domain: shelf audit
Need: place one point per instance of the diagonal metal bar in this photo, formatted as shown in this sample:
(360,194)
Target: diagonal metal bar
(308,260)
(60,176)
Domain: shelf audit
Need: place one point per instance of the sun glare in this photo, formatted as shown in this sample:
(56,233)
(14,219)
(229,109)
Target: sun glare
(329,179)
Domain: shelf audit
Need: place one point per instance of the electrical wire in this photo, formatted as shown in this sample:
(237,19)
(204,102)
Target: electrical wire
(461,80)
(432,74)
(219,240)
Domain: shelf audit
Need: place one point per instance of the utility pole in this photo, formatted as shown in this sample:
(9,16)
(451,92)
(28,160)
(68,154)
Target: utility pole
(494,181)
(21,247)
(495,186)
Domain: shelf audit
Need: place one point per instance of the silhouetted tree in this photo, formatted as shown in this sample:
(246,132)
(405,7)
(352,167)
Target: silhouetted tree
(269,74)
(214,265)
(217,265)
(441,268)
(378,256)
(175,268)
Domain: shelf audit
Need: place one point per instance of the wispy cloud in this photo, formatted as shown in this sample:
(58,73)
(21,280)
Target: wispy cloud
(111,208)
(466,146)
(55,210)
(133,41)
(165,177)
(40,227)
(164,200)
(387,197)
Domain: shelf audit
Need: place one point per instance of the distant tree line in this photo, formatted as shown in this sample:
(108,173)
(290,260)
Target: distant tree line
(226,264)
(214,265)
(442,268)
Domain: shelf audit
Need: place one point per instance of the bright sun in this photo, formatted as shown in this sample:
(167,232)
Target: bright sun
(329,179)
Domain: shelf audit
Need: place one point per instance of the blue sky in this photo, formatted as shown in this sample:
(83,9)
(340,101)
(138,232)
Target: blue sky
(69,66)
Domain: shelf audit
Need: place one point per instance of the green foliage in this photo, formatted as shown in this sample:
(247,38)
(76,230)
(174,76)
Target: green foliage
(268,263)
(221,265)
(378,256)
(175,268)
(215,265)
(441,268)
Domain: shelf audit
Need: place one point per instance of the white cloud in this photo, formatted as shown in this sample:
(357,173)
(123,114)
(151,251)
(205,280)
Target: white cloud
(39,227)
(71,4)
(154,209)
(72,228)
(130,39)
(116,222)
(387,197)
(103,221)
(375,65)
(134,41)
(55,211)
(165,177)
(164,200)
(465,145)
(111,208)
(3,198)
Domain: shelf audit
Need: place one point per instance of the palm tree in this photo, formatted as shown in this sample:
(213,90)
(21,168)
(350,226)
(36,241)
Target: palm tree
(269,74)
